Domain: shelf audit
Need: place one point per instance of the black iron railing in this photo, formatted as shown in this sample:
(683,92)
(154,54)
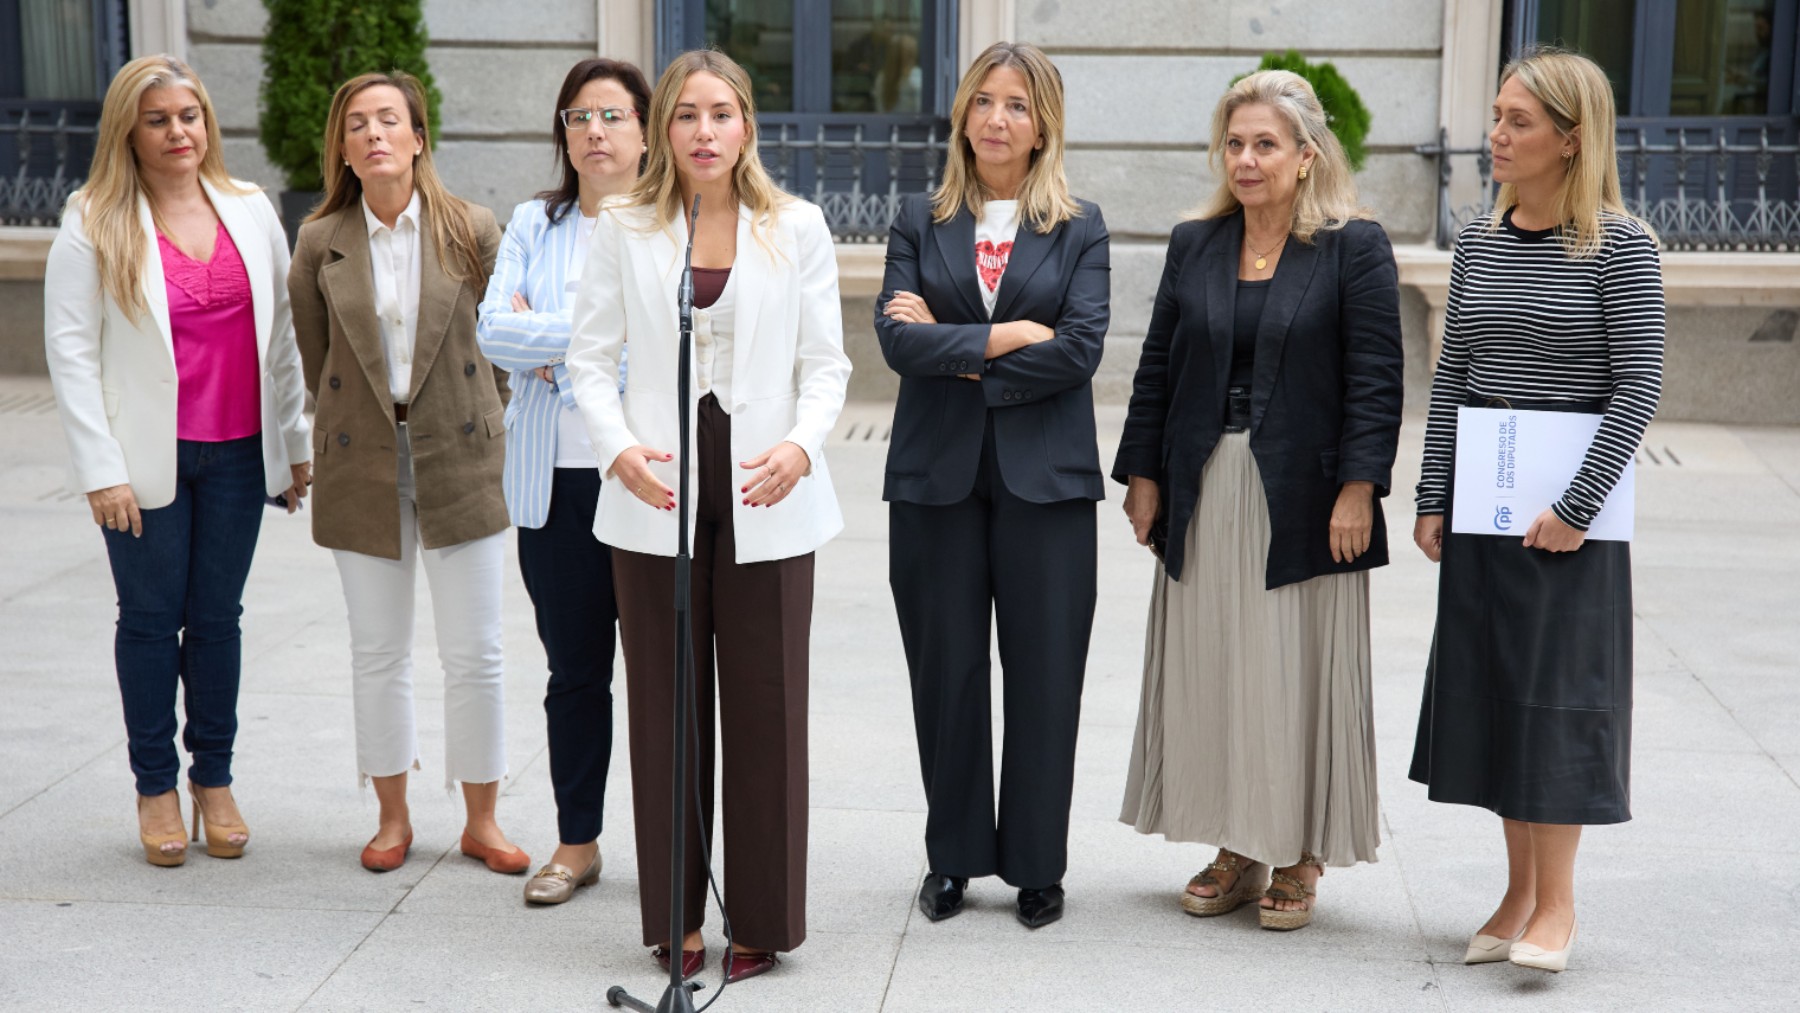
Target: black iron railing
(856,168)
(1705,192)
(45,149)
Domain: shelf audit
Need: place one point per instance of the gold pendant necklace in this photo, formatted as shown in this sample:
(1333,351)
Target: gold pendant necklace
(1262,258)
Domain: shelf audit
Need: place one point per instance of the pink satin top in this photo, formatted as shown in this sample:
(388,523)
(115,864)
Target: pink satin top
(214,329)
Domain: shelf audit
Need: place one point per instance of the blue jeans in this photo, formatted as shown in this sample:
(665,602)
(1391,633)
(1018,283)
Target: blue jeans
(181,589)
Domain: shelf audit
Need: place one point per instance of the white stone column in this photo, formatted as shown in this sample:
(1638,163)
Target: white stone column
(627,31)
(1471,71)
(158,26)
(983,23)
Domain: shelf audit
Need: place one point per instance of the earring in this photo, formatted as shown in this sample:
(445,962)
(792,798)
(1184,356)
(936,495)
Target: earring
(1568,154)
(1303,172)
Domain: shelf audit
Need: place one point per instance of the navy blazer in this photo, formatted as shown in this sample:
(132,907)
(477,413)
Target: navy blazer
(1041,395)
(1324,398)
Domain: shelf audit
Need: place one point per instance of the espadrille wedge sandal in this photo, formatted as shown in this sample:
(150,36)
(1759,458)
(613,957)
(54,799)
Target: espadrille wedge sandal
(1250,879)
(1289,887)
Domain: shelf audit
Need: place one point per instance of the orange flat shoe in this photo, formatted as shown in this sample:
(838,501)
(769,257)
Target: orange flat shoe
(508,862)
(387,859)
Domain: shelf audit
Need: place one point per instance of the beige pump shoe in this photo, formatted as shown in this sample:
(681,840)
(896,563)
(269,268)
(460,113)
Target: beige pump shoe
(1531,955)
(1489,949)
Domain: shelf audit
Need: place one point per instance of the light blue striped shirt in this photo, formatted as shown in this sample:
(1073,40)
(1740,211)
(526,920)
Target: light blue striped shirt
(533,260)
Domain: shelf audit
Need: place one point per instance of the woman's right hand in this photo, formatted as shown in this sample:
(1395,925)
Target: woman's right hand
(116,508)
(909,308)
(633,468)
(1143,501)
(1428,535)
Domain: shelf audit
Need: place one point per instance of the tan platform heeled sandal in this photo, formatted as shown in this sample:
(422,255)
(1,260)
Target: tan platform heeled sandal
(1285,886)
(1251,878)
(166,850)
(219,843)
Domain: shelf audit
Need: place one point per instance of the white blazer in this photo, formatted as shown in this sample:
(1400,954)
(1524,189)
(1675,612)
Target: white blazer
(788,372)
(114,374)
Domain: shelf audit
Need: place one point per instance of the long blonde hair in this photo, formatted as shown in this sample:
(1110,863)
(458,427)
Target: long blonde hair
(1044,200)
(659,186)
(1578,97)
(459,252)
(1326,198)
(109,198)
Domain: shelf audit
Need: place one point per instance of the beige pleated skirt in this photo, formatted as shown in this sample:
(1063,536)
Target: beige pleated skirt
(1255,728)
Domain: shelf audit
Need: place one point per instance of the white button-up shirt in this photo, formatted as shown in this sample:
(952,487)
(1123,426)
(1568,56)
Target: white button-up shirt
(394,259)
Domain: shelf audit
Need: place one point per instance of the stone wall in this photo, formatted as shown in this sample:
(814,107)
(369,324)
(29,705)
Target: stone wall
(1141,85)
(1143,79)
(498,76)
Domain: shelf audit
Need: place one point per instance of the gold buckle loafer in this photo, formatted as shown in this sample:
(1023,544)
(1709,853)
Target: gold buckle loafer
(555,883)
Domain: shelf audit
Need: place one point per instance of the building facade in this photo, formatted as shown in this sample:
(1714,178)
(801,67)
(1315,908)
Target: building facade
(853,96)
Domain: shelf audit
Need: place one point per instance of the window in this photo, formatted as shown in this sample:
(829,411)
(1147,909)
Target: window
(56,59)
(1677,58)
(886,57)
(60,51)
(1706,95)
(851,95)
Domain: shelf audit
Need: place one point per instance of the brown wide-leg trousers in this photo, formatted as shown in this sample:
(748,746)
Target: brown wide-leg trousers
(752,625)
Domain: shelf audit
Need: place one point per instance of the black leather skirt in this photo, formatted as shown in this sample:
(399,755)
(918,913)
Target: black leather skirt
(1527,707)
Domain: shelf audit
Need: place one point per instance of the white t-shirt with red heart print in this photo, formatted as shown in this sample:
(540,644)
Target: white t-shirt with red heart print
(994,232)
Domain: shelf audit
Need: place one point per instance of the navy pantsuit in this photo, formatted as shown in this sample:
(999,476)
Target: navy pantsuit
(992,485)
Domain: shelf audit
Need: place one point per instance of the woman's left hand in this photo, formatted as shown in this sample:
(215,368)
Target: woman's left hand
(297,491)
(1549,533)
(1352,521)
(909,309)
(775,472)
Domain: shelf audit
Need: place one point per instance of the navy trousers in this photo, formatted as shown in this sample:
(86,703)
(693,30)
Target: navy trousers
(568,574)
(956,570)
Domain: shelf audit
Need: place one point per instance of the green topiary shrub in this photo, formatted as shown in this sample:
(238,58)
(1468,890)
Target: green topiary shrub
(1344,108)
(311,47)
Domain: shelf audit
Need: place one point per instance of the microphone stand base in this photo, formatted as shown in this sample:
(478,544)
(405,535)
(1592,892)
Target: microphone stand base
(674,1000)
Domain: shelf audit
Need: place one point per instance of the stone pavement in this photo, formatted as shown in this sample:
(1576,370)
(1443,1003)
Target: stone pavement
(1693,905)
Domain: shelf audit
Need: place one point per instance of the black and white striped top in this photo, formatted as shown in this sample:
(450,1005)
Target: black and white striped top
(1526,322)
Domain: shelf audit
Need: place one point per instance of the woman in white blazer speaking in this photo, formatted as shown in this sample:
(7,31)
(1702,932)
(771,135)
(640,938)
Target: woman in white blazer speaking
(171,350)
(769,374)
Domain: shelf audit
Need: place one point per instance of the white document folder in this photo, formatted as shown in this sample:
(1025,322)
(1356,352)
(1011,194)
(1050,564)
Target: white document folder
(1512,464)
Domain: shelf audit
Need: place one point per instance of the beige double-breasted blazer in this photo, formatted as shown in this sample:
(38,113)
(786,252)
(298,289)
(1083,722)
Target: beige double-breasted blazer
(456,403)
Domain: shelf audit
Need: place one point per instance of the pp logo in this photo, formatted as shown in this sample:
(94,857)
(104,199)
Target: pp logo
(1503,518)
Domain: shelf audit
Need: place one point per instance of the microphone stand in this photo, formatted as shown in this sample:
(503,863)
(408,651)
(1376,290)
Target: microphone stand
(678,997)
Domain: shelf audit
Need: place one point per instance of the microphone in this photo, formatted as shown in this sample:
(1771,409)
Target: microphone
(686,292)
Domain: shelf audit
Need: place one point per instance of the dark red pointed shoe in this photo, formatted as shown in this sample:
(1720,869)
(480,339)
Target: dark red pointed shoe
(691,960)
(738,966)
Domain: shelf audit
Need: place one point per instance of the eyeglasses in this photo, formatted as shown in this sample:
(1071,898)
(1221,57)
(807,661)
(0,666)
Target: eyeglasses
(610,117)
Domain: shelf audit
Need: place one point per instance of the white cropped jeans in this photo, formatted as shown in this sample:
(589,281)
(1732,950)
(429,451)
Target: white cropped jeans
(465,585)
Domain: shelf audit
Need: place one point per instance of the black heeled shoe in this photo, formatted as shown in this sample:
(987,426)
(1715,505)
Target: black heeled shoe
(1038,908)
(941,897)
